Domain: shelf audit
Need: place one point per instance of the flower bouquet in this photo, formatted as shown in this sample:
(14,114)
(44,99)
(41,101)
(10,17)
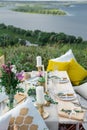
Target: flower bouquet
(10,79)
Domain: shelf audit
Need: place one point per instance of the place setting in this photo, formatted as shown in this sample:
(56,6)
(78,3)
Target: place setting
(63,80)
(60,80)
(57,79)
(71,111)
(65,96)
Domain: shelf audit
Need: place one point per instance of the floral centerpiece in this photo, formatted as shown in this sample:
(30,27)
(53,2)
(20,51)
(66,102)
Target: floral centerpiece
(10,79)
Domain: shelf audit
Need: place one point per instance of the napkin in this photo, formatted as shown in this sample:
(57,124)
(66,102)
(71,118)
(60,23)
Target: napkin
(19,97)
(69,110)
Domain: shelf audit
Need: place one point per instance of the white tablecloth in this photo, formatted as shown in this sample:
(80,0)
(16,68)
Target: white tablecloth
(3,97)
(52,120)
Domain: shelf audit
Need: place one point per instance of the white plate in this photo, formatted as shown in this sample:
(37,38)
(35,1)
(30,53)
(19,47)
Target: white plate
(63,80)
(33,80)
(67,98)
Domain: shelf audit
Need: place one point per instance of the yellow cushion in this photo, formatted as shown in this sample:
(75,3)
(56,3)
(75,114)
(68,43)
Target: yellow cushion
(52,65)
(76,72)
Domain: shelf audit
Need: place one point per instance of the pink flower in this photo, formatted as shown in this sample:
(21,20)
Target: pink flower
(6,68)
(20,75)
(40,74)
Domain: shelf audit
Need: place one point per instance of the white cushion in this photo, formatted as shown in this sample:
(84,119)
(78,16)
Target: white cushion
(82,90)
(4,121)
(66,57)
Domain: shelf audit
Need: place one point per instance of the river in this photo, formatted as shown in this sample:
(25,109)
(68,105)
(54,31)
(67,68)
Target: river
(75,23)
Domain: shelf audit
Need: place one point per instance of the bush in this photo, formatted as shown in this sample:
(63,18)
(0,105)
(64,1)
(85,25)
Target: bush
(36,36)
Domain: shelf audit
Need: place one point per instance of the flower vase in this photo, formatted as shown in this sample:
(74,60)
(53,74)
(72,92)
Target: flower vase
(11,101)
(11,98)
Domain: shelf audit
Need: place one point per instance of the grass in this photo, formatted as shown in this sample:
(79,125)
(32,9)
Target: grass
(25,57)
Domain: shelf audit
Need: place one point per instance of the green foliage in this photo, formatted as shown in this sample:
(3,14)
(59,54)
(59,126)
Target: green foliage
(70,111)
(2,26)
(10,35)
(49,99)
(1,52)
(41,80)
(31,92)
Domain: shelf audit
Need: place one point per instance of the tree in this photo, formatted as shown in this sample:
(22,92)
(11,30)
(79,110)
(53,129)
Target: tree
(79,40)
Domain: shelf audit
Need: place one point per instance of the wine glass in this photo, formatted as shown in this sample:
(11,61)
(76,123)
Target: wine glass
(55,70)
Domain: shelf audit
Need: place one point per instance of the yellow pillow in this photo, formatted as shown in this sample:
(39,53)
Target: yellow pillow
(52,65)
(76,72)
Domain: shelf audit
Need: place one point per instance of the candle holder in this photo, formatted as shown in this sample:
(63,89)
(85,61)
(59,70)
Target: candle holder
(41,83)
(47,104)
(39,68)
(43,113)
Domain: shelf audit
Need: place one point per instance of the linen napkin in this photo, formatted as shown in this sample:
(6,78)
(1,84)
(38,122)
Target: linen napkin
(19,97)
(69,110)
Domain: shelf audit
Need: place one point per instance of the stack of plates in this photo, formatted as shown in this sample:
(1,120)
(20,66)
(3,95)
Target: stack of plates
(63,80)
(66,96)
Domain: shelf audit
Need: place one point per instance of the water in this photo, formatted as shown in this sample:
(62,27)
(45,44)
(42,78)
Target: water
(75,23)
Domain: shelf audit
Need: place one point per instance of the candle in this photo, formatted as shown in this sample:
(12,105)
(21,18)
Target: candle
(40,95)
(46,81)
(39,61)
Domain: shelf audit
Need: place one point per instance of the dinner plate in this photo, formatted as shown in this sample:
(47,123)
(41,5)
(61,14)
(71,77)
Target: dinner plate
(33,80)
(66,97)
(63,80)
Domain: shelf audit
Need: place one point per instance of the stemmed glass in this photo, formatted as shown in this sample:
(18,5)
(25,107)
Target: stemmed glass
(52,87)
(55,69)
